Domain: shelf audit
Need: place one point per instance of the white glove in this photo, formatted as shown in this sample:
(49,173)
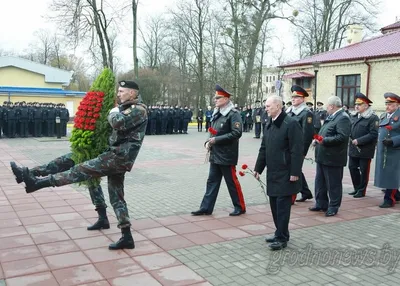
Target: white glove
(114,110)
(208,145)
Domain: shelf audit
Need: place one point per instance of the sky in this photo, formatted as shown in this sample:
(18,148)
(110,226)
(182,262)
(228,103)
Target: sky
(20,19)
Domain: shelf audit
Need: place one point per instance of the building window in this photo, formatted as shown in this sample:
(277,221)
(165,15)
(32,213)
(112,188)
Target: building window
(346,88)
(266,90)
(273,78)
(266,78)
(304,82)
(272,89)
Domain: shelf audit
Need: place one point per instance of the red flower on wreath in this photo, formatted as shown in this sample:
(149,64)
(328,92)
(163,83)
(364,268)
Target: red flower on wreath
(89,111)
(212,131)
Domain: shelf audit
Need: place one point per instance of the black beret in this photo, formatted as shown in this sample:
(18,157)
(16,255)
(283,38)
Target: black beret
(128,84)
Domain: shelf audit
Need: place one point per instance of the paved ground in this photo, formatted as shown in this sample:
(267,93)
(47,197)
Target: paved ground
(44,241)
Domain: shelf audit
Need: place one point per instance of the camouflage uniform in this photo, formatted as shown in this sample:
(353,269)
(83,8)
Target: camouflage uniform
(129,126)
(64,163)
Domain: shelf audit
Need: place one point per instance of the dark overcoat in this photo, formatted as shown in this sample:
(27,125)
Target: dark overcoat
(364,128)
(335,132)
(387,164)
(228,125)
(281,152)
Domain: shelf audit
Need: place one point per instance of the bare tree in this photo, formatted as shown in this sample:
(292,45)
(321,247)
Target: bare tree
(153,36)
(190,20)
(322,24)
(83,20)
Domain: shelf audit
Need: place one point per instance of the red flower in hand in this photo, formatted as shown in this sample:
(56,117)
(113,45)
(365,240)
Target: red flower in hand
(212,131)
(241,173)
(389,127)
(244,166)
(319,138)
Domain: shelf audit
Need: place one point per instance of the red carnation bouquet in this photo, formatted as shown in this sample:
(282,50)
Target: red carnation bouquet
(246,169)
(212,131)
(318,137)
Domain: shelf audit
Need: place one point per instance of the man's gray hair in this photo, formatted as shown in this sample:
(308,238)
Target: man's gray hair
(276,99)
(335,101)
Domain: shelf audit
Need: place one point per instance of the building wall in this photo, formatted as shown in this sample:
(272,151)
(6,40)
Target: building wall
(13,76)
(384,77)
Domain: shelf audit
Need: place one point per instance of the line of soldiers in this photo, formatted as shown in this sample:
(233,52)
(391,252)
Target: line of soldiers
(21,119)
(164,119)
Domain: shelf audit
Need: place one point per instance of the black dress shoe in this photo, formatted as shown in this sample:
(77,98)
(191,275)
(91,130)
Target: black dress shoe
(304,198)
(237,212)
(352,193)
(359,194)
(385,205)
(270,239)
(17,172)
(330,213)
(200,212)
(277,245)
(317,209)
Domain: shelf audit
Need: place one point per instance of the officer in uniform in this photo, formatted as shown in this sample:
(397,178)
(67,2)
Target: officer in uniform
(23,117)
(320,116)
(187,117)
(387,163)
(300,112)
(64,118)
(257,120)
(224,153)
(363,137)
(128,122)
(11,120)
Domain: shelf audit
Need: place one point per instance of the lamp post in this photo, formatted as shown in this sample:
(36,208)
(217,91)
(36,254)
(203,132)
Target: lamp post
(316,68)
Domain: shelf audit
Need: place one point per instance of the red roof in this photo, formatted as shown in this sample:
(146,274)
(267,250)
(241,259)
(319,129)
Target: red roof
(383,46)
(298,75)
(391,26)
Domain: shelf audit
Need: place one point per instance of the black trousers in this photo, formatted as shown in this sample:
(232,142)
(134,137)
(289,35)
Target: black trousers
(23,128)
(305,190)
(328,180)
(257,129)
(391,195)
(280,208)
(359,171)
(214,182)
(199,125)
(208,125)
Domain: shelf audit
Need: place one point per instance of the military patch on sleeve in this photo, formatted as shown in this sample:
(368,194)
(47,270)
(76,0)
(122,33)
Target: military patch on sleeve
(237,124)
(309,120)
(376,123)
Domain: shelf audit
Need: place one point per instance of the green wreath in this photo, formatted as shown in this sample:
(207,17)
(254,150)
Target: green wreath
(89,137)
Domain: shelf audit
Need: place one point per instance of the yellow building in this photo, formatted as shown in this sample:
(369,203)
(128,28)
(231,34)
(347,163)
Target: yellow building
(371,66)
(24,80)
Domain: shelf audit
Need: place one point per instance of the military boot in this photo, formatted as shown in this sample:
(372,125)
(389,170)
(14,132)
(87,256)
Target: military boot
(126,241)
(359,194)
(102,222)
(17,172)
(33,183)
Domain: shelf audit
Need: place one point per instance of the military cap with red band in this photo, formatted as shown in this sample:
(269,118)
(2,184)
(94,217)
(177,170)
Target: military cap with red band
(298,91)
(391,97)
(362,98)
(219,91)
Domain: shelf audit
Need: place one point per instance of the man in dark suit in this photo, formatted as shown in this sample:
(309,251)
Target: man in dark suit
(300,112)
(281,152)
(331,157)
(363,136)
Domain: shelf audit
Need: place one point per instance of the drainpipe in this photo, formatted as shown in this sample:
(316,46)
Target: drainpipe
(368,75)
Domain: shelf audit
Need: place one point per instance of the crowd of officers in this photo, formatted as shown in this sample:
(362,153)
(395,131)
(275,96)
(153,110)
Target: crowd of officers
(21,119)
(164,119)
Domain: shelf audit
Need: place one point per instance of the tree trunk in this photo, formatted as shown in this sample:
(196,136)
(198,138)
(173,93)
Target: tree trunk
(134,46)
